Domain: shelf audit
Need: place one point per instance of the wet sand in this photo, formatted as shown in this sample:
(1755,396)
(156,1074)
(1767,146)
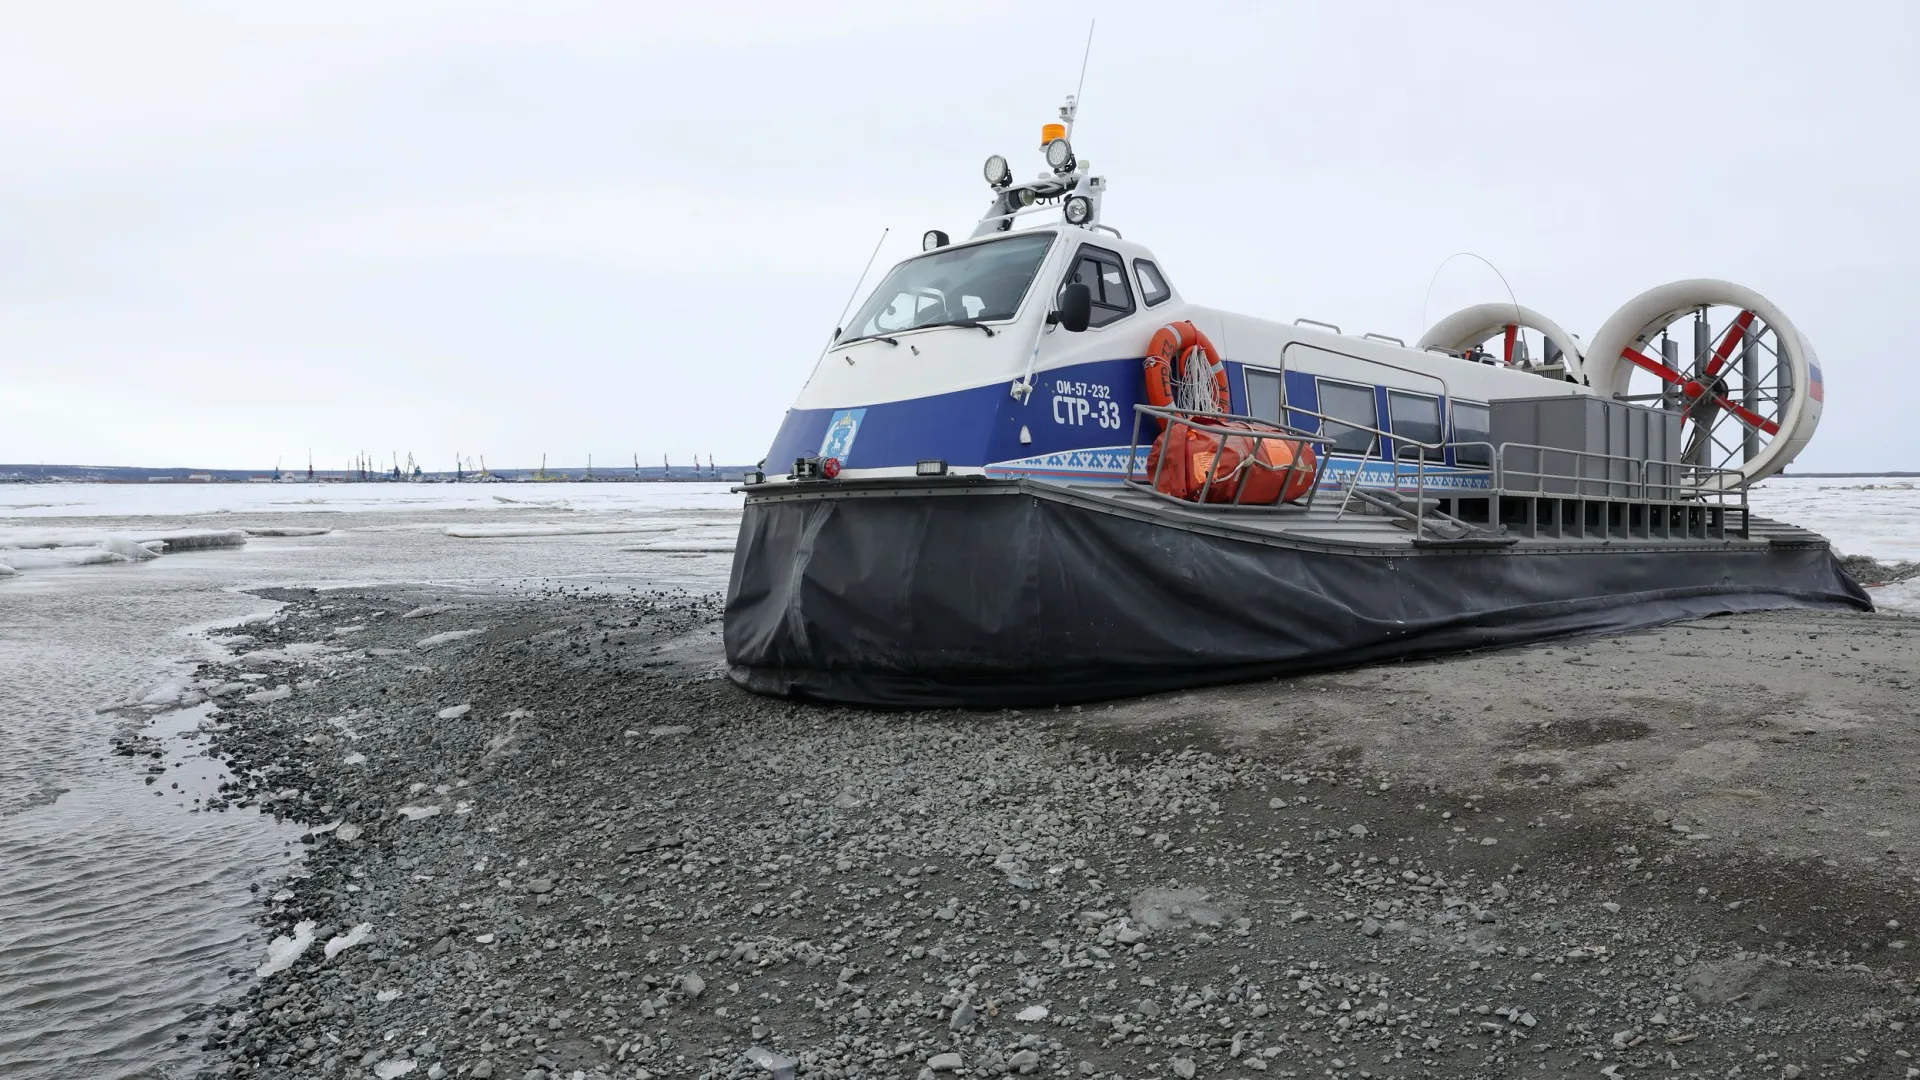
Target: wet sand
(579,851)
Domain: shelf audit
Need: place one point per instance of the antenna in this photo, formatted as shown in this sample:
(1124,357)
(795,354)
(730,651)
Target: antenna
(841,322)
(1073,105)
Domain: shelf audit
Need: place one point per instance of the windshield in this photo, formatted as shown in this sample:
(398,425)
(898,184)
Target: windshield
(975,283)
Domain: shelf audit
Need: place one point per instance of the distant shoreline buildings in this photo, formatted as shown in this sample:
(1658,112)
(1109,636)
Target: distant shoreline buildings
(131,474)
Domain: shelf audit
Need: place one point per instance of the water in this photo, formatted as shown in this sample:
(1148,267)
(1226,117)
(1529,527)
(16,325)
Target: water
(1879,517)
(122,909)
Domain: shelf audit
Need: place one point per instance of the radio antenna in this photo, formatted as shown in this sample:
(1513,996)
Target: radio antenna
(841,323)
(1073,106)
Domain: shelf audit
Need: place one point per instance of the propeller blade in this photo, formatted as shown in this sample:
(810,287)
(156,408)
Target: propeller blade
(1724,351)
(1642,360)
(1748,416)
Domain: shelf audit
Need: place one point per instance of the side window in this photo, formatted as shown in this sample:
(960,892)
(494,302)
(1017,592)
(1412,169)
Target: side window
(1415,416)
(1263,393)
(1471,423)
(1101,272)
(1354,404)
(1153,287)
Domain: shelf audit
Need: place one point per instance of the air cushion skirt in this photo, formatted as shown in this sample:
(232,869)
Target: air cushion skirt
(1005,593)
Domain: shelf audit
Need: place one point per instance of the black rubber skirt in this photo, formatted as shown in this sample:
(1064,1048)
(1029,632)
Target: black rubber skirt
(1002,595)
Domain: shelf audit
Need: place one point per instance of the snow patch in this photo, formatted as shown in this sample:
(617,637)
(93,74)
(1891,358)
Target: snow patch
(455,712)
(394,1067)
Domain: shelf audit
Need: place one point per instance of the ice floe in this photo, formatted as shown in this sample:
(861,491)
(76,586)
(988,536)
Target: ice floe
(499,532)
(338,945)
(49,549)
(444,638)
(284,950)
(1901,597)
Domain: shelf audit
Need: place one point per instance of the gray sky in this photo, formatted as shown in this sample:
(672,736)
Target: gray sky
(233,231)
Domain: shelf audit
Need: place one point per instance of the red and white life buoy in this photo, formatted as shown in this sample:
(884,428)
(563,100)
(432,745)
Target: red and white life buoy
(1184,371)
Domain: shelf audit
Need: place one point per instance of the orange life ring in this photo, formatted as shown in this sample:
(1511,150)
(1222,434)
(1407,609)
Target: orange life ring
(1179,353)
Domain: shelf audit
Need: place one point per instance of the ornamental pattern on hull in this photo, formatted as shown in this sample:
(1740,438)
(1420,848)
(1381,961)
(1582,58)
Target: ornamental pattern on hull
(1109,463)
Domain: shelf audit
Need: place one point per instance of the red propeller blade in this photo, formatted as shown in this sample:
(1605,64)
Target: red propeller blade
(1724,351)
(1748,416)
(1693,389)
(1649,363)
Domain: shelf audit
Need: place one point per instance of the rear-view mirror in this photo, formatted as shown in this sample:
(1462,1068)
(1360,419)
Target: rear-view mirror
(1076,307)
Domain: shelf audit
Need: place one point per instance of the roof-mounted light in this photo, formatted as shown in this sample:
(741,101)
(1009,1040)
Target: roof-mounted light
(932,239)
(999,174)
(1050,132)
(1079,210)
(1059,155)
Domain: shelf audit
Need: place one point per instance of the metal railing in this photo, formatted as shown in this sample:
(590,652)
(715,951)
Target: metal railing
(1677,481)
(1666,485)
(1318,441)
(1619,479)
(1209,426)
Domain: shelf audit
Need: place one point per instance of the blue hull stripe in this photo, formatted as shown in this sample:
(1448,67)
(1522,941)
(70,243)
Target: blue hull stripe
(1074,418)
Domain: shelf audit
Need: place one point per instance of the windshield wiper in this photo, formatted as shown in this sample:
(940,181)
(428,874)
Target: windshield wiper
(975,324)
(868,337)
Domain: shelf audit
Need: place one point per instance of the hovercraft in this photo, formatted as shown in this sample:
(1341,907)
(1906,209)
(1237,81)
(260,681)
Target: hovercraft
(1029,471)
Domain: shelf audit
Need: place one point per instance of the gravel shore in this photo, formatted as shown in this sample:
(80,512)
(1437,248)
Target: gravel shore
(550,840)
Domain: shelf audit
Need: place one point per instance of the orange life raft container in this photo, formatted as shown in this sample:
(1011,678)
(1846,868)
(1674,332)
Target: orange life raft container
(1249,471)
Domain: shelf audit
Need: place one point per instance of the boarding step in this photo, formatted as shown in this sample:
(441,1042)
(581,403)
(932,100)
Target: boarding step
(1411,512)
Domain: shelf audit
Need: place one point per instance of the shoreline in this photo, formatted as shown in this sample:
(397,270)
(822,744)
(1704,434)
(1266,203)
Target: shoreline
(579,850)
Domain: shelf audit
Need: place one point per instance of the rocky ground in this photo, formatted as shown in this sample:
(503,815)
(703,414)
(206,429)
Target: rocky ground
(550,840)
(1870,571)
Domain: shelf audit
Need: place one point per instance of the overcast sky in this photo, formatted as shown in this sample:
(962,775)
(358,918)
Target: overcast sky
(230,232)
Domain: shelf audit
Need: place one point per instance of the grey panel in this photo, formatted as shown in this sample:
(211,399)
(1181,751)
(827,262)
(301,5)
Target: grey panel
(1587,426)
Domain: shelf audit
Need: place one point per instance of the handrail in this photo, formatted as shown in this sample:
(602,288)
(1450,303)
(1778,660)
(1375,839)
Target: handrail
(1685,487)
(1446,388)
(1371,336)
(1323,458)
(1317,322)
(1580,477)
(1377,433)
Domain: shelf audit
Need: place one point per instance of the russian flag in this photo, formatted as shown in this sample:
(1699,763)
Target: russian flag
(1816,387)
